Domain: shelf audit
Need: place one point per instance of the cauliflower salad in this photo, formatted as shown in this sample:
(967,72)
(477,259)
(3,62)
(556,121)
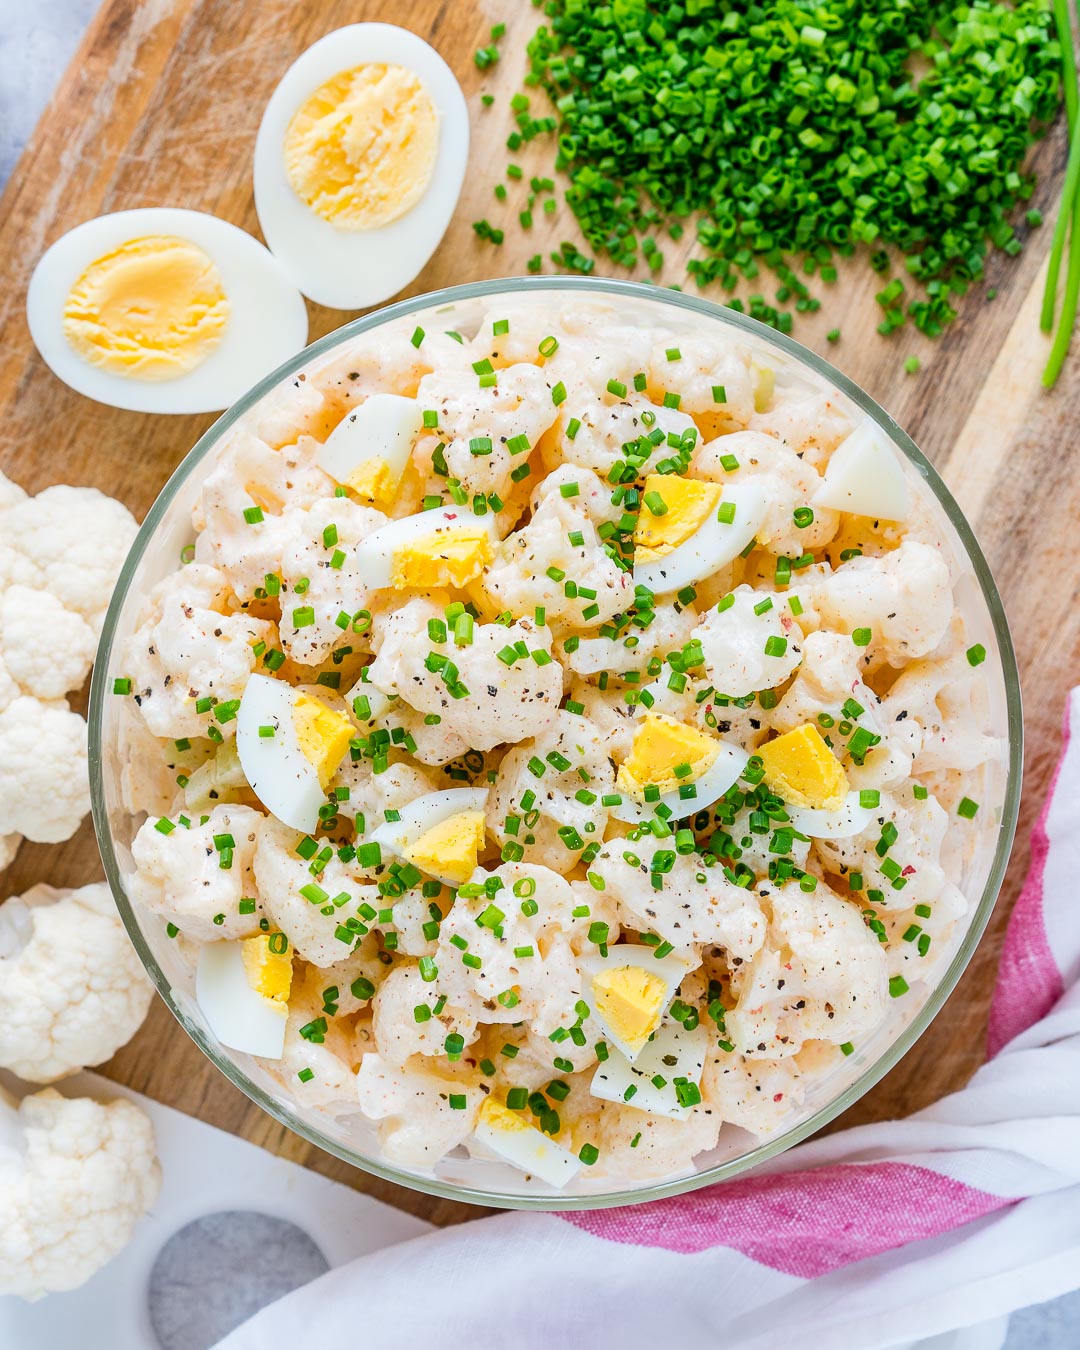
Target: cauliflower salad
(559,744)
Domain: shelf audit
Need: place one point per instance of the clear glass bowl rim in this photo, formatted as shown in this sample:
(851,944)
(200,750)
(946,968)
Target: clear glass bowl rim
(588,287)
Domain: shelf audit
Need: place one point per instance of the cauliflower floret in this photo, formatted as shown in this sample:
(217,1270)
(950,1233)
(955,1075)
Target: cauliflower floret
(331,590)
(695,904)
(325,1044)
(941,706)
(519,404)
(421,1115)
(813,425)
(547,982)
(188,648)
(503,704)
(75,1178)
(69,541)
(385,362)
(372,794)
(919,944)
(561,537)
(904,598)
(399,1035)
(827,680)
(642,1146)
(819,977)
(316,928)
(44,784)
(788,482)
(432,744)
(566,801)
(334,984)
(755,1094)
(179,873)
(46,649)
(668,631)
(597,349)
(72,987)
(605,428)
(697,367)
(752,643)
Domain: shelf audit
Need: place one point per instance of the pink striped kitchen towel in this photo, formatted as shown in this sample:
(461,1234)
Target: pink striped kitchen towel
(925,1231)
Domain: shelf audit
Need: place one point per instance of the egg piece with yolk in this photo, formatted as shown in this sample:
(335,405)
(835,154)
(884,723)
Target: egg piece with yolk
(447,546)
(510,1136)
(441,833)
(290,742)
(359,163)
(628,992)
(163,310)
(687,529)
(676,766)
(243,991)
(664,1078)
(802,770)
(369,448)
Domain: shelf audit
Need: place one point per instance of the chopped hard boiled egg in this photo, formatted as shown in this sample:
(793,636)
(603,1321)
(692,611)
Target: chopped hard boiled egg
(690,768)
(800,768)
(162,310)
(369,449)
(511,1137)
(290,744)
(701,538)
(359,163)
(672,509)
(864,476)
(442,833)
(664,1077)
(448,546)
(848,819)
(628,992)
(243,990)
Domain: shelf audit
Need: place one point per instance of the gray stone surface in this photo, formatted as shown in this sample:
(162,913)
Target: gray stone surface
(220,1270)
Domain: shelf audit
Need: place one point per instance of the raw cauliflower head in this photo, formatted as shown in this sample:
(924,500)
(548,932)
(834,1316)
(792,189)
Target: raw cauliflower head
(72,987)
(75,1178)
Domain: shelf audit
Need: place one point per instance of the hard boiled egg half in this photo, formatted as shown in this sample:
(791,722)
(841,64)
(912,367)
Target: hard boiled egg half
(442,833)
(686,529)
(359,163)
(243,990)
(163,310)
(629,990)
(369,449)
(447,546)
(676,766)
(290,743)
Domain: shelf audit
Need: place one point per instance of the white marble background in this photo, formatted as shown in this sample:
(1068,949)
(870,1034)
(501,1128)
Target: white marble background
(37,40)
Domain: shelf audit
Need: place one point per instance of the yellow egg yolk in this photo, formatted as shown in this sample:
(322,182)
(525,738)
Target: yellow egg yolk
(375,481)
(361,151)
(686,504)
(497,1116)
(153,309)
(452,558)
(268,972)
(664,754)
(631,1001)
(450,848)
(322,734)
(800,768)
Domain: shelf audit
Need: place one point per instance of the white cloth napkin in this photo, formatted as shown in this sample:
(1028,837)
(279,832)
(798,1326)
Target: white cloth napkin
(926,1231)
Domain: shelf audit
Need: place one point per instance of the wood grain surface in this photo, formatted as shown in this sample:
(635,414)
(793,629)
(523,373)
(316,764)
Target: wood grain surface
(161,106)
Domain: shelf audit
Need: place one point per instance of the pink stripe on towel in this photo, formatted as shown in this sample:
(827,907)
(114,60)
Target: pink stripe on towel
(801,1223)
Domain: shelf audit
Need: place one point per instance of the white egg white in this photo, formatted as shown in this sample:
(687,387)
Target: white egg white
(671,969)
(280,774)
(847,820)
(374,556)
(713,544)
(673,1052)
(267,320)
(721,775)
(351,269)
(864,476)
(530,1150)
(423,814)
(239,1016)
(383,427)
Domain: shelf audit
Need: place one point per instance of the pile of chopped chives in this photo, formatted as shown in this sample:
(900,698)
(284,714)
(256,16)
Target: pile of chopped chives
(1068,221)
(794,132)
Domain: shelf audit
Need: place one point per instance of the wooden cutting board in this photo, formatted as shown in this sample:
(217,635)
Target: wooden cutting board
(161,106)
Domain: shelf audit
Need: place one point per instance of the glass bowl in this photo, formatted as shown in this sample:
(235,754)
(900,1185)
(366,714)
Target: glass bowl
(167,529)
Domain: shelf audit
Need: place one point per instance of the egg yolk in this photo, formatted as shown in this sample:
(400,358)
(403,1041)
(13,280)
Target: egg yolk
(664,754)
(322,734)
(630,1000)
(360,152)
(800,768)
(153,309)
(450,848)
(453,558)
(683,505)
(496,1116)
(268,972)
